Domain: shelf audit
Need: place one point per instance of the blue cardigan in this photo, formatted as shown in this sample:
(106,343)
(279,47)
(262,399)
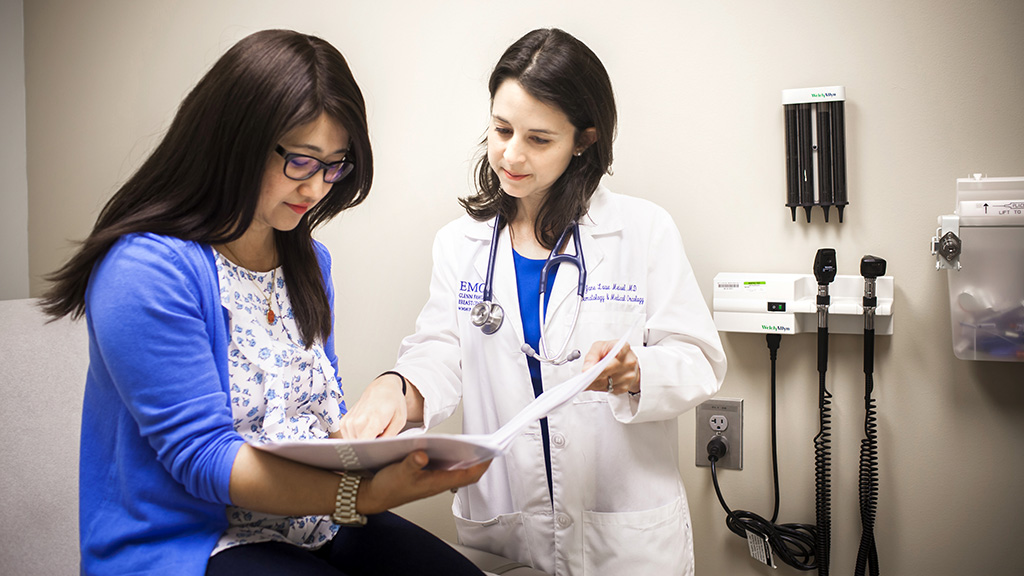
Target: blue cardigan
(157,436)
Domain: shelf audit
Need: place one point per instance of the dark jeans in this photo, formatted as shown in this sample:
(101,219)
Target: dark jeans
(387,544)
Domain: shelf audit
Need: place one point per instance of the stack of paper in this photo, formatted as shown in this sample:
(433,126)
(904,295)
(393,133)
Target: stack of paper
(446,451)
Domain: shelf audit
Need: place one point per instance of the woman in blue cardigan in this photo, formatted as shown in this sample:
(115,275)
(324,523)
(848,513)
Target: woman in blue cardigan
(210,316)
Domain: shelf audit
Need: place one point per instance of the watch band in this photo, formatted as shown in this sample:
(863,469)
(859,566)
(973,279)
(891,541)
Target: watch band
(345,503)
(405,383)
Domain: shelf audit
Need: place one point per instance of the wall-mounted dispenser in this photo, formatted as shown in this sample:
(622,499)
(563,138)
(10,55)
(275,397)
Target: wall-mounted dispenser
(815,149)
(981,245)
(787,303)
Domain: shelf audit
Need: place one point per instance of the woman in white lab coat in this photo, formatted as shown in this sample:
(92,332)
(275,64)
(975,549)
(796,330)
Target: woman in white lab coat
(594,488)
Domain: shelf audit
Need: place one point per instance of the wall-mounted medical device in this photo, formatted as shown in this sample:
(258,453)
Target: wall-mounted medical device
(981,245)
(822,302)
(815,149)
(787,303)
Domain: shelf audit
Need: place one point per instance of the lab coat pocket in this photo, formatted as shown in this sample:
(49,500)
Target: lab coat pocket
(656,541)
(590,396)
(503,535)
(610,321)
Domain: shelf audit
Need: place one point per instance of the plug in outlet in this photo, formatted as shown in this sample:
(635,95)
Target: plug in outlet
(720,417)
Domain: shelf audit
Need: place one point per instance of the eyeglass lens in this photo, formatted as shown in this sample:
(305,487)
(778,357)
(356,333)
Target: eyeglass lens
(299,167)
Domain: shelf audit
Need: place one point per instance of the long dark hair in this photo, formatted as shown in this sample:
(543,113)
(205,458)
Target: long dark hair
(559,70)
(202,182)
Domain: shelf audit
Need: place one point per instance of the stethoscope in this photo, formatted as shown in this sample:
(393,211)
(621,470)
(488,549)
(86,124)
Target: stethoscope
(489,315)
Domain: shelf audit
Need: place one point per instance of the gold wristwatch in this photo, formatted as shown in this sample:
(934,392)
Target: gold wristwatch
(345,505)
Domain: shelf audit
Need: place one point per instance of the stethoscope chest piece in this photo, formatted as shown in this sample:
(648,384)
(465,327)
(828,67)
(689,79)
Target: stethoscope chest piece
(487,316)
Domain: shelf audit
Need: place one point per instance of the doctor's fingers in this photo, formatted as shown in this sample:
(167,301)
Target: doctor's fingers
(619,382)
(621,373)
(380,411)
(599,350)
(366,421)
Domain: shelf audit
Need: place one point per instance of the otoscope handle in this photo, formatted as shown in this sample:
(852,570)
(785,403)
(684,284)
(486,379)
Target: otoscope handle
(823,302)
(822,350)
(869,352)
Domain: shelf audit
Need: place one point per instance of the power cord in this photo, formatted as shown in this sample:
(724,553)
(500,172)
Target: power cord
(867,553)
(793,544)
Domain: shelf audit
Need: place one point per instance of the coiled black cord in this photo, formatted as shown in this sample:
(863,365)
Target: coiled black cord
(867,554)
(823,463)
(793,544)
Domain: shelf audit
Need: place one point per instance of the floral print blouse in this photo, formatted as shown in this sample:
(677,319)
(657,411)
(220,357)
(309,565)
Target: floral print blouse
(279,391)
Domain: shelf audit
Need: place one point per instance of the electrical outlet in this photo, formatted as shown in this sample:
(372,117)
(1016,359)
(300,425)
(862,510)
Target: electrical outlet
(719,422)
(720,417)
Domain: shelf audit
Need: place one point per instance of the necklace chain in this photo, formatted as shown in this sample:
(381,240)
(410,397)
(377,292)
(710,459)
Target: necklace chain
(271,317)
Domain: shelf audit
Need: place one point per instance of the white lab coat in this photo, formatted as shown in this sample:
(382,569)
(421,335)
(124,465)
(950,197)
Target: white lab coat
(619,506)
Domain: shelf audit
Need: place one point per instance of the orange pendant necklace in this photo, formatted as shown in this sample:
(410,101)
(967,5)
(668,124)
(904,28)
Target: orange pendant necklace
(273,285)
(271,317)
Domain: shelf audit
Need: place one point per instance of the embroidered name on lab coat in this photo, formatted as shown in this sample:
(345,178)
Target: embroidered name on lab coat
(601,292)
(472,292)
(469,294)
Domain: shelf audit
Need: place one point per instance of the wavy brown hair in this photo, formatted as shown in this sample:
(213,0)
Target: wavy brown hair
(559,70)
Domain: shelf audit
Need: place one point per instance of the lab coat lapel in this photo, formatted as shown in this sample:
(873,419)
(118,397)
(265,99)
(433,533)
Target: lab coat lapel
(562,305)
(563,293)
(599,221)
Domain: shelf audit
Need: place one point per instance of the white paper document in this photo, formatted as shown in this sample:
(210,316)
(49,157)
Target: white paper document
(446,451)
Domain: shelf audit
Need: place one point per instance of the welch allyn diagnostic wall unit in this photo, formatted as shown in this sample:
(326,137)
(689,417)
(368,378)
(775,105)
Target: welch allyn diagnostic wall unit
(786,303)
(981,246)
(815,149)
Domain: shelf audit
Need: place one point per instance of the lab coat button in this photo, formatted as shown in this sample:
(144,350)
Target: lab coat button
(558,440)
(563,520)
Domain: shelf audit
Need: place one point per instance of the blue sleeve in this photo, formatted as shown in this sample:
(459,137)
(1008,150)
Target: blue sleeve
(324,258)
(158,335)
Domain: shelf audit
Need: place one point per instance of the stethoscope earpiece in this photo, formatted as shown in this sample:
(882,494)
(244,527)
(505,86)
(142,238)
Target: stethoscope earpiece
(529,351)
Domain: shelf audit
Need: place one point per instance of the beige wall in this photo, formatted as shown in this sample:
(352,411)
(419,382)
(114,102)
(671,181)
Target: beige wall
(13,154)
(934,92)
